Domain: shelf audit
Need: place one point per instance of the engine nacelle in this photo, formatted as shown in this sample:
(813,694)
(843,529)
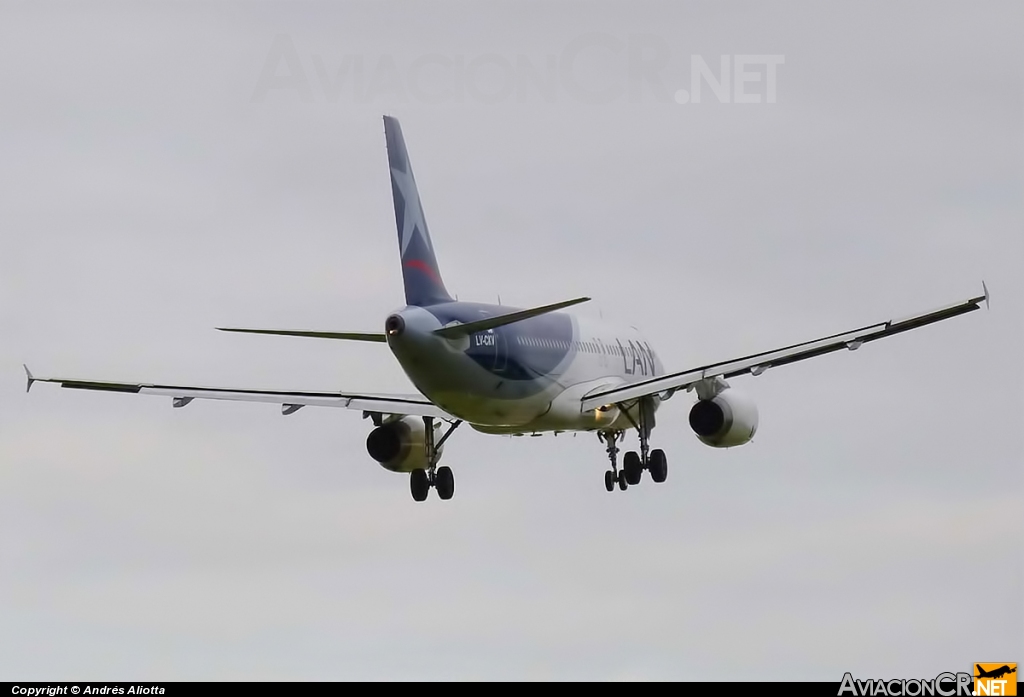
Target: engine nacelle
(399,445)
(724,421)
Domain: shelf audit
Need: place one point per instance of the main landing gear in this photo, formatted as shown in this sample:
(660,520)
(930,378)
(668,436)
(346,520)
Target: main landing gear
(633,463)
(441,478)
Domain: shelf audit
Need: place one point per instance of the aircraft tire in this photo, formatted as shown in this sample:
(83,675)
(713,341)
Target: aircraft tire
(419,484)
(609,480)
(659,466)
(632,467)
(623,484)
(445,483)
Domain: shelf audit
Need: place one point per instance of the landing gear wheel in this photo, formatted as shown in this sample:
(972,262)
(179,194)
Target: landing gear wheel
(632,468)
(658,466)
(609,481)
(420,484)
(445,483)
(623,484)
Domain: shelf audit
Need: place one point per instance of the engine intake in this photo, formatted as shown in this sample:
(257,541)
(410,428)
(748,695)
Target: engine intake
(399,445)
(724,421)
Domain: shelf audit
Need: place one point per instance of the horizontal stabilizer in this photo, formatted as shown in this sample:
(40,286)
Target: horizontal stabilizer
(349,336)
(459,330)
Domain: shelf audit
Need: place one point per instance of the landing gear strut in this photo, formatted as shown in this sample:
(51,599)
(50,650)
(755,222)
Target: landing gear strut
(613,476)
(441,478)
(633,463)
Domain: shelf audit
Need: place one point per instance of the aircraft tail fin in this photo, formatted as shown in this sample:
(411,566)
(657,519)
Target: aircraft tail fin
(423,284)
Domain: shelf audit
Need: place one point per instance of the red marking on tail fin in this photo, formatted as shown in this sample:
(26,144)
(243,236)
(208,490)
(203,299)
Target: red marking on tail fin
(422,266)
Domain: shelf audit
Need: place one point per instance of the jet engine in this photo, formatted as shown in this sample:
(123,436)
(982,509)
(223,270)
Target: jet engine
(399,445)
(726,420)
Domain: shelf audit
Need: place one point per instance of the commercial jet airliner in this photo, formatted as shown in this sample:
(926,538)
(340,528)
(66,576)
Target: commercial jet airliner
(513,372)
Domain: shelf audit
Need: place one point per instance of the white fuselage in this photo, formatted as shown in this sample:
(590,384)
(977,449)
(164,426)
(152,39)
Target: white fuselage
(535,377)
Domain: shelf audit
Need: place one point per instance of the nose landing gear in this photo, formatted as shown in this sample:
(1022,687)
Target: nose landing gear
(614,476)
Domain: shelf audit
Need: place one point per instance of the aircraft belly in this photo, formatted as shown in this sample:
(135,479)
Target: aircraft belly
(491,411)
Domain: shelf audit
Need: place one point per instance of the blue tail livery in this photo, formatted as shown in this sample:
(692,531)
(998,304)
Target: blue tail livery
(423,284)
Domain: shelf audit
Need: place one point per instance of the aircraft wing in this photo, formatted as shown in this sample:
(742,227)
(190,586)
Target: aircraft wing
(412,405)
(757,363)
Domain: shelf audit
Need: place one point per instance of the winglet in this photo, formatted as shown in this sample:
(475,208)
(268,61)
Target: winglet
(987,296)
(30,378)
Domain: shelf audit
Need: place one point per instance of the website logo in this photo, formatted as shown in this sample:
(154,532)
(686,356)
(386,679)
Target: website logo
(995,679)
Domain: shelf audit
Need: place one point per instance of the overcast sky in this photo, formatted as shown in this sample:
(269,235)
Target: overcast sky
(168,167)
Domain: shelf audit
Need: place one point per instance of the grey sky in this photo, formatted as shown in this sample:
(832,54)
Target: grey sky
(152,190)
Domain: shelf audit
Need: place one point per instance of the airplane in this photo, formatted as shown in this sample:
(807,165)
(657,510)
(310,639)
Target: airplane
(995,673)
(511,371)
